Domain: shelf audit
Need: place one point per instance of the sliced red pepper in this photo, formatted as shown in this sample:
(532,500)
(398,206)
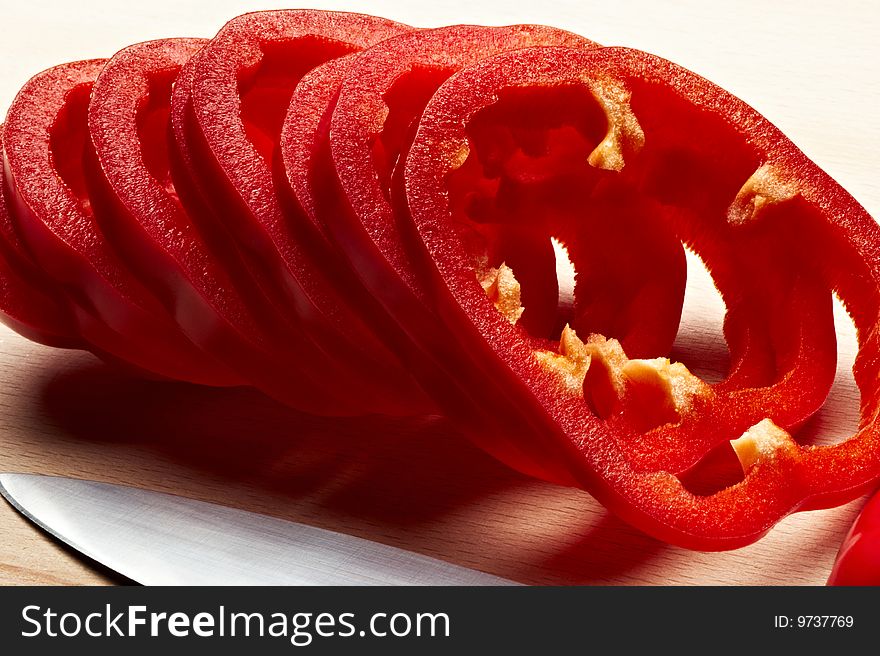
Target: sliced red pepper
(303,134)
(305,154)
(138,207)
(734,189)
(30,312)
(28,304)
(36,307)
(858,561)
(43,144)
(228,115)
(27,307)
(376,107)
(353,162)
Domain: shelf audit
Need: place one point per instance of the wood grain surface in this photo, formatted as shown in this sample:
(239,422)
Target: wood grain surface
(415,483)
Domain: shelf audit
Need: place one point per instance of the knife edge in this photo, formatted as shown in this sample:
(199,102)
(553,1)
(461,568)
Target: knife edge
(156,538)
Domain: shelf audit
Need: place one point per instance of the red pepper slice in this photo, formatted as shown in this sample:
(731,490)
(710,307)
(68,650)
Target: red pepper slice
(304,133)
(858,561)
(138,207)
(228,115)
(30,312)
(43,143)
(353,161)
(733,188)
(394,80)
(35,307)
(305,154)
(27,304)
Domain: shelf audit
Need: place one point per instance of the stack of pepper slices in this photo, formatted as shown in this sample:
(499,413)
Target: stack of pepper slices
(355,216)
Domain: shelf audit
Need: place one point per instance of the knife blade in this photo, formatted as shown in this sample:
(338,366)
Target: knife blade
(155,538)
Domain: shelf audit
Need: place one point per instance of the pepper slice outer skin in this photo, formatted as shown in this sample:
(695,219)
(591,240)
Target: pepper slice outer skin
(858,561)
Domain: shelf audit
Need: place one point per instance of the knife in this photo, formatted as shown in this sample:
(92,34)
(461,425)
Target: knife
(164,539)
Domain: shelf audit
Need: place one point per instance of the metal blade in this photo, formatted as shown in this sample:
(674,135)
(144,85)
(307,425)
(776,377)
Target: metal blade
(163,539)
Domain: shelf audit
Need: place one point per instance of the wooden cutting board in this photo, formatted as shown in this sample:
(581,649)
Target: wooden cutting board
(415,483)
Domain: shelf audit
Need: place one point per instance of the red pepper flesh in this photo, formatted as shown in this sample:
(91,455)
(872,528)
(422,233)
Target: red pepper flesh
(28,303)
(228,116)
(731,185)
(394,80)
(43,141)
(858,561)
(139,209)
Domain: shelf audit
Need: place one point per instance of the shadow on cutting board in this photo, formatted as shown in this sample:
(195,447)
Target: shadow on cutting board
(411,482)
